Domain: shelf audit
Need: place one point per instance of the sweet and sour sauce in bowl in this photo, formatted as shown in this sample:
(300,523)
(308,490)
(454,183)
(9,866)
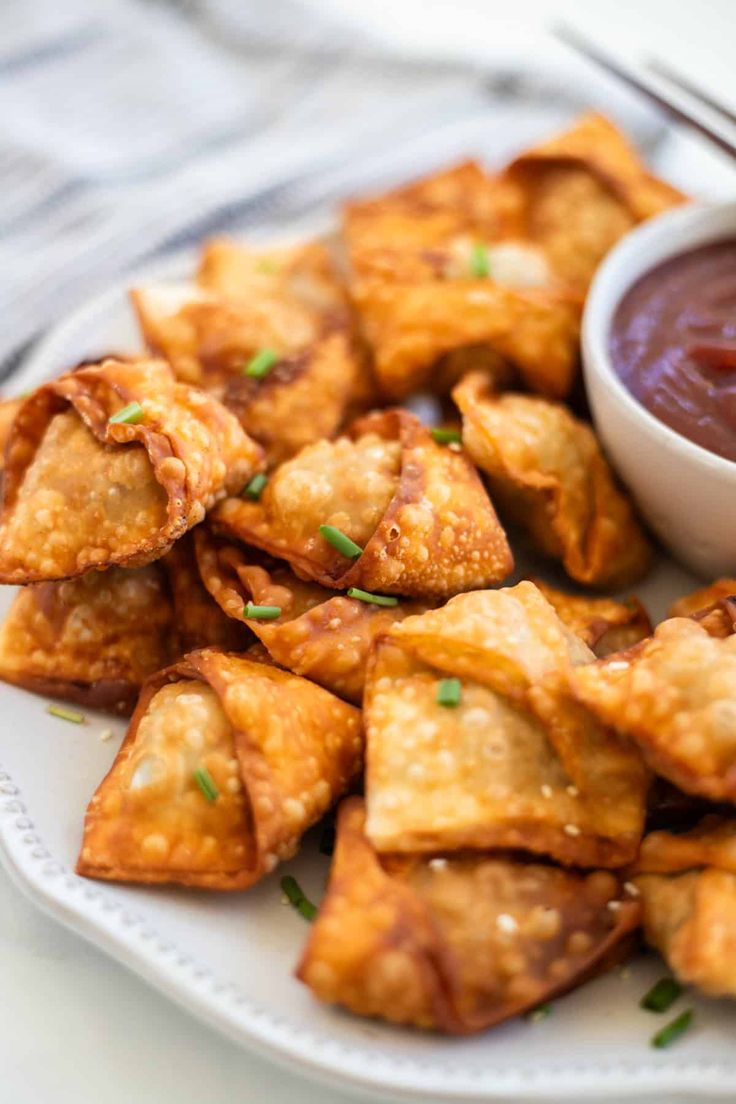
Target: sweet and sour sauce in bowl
(659,355)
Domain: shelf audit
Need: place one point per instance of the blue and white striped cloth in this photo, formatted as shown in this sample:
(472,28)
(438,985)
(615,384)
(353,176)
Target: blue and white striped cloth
(128,129)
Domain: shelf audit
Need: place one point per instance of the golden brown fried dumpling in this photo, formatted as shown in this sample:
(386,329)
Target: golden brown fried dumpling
(547,472)
(605,624)
(287,302)
(93,640)
(456,943)
(226,763)
(417,510)
(691,920)
(577,193)
(429,312)
(318,634)
(687,883)
(513,762)
(82,491)
(675,696)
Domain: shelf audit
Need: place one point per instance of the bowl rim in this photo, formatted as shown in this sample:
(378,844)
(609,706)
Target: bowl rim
(689,227)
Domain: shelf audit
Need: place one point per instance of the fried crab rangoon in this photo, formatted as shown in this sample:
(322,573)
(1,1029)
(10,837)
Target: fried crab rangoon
(576,194)
(317,634)
(463,270)
(429,313)
(288,303)
(92,640)
(84,490)
(457,943)
(515,762)
(226,763)
(416,511)
(687,885)
(674,695)
(547,473)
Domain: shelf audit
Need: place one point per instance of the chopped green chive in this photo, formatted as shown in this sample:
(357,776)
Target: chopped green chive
(661,996)
(254,489)
(340,541)
(261,364)
(673,1030)
(449,691)
(131,414)
(541,1012)
(206,783)
(375,599)
(480,265)
(297,898)
(66,714)
(261,613)
(446,436)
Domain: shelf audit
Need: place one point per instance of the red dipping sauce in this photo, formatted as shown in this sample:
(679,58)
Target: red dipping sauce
(673,343)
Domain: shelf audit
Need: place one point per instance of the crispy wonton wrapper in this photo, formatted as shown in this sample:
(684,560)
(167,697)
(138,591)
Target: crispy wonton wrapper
(420,303)
(8,409)
(458,943)
(416,508)
(82,492)
(199,622)
(605,624)
(289,301)
(516,763)
(548,474)
(710,842)
(277,749)
(576,194)
(691,919)
(93,640)
(675,696)
(703,599)
(687,883)
(320,635)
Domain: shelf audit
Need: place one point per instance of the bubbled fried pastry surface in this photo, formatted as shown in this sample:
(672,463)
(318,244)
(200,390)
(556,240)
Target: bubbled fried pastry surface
(92,640)
(437,534)
(150,821)
(169,466)
(319,635)
(455,943)
(290,747)
(548,474)
(516,763)
(674,696)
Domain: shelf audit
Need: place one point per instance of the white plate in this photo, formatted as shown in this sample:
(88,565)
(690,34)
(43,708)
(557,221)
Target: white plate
(228,958)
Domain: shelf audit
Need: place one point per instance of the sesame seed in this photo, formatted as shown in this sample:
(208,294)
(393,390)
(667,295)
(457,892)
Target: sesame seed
(614,906)
(618,665)
(573,791)
(546,790)
(571,830)
(505,922)
(631,889)
(106,734)
(437,864)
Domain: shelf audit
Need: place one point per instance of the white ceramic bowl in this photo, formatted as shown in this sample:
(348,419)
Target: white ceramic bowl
(685,493)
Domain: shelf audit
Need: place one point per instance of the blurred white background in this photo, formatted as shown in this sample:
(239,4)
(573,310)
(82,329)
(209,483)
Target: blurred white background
(128,129)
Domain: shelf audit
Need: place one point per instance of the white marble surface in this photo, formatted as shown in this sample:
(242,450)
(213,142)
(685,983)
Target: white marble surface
(74,1026)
